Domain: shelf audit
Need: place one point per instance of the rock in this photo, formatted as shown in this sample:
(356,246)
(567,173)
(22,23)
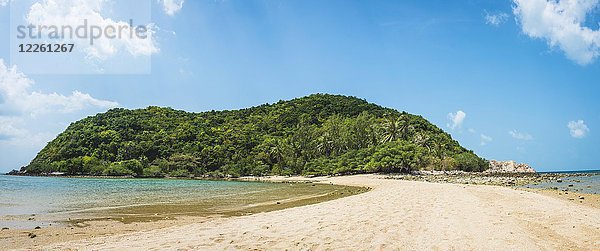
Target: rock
(278,203)
(570,185)
(581,197)
(38,227)
(4,228)
(32,235)
(559,180)
(509,167)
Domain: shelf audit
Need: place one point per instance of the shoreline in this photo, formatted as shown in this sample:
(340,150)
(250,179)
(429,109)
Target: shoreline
(393,214)
(507,179)
(86,234)
(108,223)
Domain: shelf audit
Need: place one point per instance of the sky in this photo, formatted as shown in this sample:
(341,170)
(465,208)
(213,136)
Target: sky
(509,79)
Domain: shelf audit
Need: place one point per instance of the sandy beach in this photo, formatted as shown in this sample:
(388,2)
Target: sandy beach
(395,214)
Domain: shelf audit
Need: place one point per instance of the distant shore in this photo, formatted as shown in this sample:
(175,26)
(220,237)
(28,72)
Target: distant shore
(394,214)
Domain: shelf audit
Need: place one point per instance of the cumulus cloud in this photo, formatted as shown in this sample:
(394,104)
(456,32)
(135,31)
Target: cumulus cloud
(561,25)
(456,119)
(171,7)
(17,96)
(54,13)
(495,19)
(520,135)
(20,106)
(485,139)
(578,129)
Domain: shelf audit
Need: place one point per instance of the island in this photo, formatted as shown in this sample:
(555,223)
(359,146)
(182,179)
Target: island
(320,134)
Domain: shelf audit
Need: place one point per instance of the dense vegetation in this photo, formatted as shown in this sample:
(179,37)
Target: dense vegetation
(318,134)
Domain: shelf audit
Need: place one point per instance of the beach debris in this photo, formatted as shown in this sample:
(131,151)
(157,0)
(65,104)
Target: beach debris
(278,203)
(32,235)
(559,180)
(38,227)
(4,228)
(581,197)
(570,185)
(31,218)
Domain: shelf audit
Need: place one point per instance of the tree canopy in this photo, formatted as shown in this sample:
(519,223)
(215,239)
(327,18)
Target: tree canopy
(319,134)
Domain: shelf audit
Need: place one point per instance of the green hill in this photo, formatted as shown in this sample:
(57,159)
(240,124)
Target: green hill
(319,134)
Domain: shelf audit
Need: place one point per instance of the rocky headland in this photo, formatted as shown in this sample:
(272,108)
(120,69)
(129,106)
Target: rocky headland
(509,167)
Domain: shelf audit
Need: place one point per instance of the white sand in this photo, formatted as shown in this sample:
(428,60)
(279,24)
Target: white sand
(394,215)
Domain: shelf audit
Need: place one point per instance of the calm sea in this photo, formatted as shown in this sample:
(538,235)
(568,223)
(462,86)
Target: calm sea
(32,201)
(588,182)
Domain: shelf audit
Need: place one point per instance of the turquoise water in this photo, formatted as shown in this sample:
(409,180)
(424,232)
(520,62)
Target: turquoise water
(589,184)
(47,200)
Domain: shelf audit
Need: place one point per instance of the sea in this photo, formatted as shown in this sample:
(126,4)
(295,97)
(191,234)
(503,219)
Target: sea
(587,182)
(26,202)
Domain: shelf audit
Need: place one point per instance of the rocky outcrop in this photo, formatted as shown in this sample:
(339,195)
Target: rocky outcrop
(509,167)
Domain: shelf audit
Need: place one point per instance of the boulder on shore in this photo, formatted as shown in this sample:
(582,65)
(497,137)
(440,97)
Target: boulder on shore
(509,167)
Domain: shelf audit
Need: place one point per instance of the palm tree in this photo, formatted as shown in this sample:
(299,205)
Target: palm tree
(423,140)
(395,128)
(390,130)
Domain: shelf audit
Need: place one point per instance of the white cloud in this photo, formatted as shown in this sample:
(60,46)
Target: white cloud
(17,96)
(520,135)
(495,19)
(8,129)
(171,7)
(485,139)
(29,118)
(4,2)
(561,24)
(578,129)
(55,13)
(20,106)
(12,133)
(456,119)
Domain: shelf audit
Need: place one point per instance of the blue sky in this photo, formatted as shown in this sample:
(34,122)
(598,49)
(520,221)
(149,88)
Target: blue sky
(517,80)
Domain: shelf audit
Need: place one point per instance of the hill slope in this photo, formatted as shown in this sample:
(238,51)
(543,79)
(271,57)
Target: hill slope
(317,134)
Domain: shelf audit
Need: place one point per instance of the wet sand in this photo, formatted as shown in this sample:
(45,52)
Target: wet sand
(123,220)
(395,214)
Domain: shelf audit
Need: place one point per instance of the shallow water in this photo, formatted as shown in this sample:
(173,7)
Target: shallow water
(33,201)
(589,183)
